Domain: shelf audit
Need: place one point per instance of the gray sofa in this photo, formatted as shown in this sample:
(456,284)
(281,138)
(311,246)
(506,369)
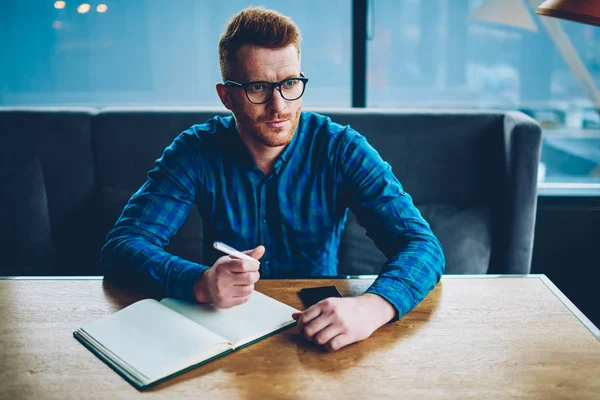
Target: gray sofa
(67,173)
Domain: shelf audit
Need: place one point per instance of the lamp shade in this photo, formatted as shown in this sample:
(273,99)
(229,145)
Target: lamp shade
(505,12)
(586,11)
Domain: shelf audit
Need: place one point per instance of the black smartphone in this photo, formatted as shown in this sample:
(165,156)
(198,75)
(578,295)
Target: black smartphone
(311,296)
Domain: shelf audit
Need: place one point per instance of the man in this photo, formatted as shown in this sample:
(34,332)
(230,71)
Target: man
(278,178)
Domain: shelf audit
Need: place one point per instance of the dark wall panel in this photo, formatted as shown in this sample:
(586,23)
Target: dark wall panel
(567,249)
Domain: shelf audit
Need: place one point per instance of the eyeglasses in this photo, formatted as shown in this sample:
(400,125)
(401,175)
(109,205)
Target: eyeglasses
(260,92)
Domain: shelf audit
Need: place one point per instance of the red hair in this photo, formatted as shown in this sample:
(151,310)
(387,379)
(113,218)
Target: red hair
(255,26)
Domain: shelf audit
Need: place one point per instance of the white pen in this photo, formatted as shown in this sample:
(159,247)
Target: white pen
(233,252)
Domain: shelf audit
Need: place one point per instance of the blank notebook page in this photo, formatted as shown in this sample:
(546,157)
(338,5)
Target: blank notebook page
(257,317)
(153,339)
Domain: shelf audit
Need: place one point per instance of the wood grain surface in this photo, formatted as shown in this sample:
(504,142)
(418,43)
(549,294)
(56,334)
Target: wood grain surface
(470,338)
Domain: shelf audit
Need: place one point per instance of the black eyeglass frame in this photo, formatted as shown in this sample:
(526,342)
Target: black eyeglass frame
(273,85)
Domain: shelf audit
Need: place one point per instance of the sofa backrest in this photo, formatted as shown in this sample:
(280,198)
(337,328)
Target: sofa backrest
(56,146)
(472,175)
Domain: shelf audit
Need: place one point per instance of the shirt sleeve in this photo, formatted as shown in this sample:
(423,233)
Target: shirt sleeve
(415,260)
(134,246)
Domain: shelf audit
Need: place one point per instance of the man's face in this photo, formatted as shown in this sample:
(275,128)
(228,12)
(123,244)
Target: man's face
(274,123)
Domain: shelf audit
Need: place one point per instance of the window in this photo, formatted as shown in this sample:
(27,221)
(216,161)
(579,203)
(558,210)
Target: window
(437,53)
(151,52)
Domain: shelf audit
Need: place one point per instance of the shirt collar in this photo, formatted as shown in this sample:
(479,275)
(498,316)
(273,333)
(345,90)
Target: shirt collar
(286,154)
(237,145)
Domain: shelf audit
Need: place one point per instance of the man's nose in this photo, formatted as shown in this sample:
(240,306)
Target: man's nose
(277,102)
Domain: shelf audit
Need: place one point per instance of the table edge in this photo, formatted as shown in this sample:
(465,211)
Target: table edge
(341,277)
(51,278)
(570,306)
(542,277)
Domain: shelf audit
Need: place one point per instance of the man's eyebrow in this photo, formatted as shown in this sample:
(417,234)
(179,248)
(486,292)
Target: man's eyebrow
(265,80)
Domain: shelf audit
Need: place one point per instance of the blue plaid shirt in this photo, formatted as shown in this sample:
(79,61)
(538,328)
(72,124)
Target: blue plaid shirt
(297,212)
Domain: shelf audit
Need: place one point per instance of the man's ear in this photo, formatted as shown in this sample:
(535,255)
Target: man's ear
(224,96)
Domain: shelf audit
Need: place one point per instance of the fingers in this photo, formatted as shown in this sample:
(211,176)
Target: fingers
(339,341)
(227,275)
(308,315)
(227,296)
(239,266)
(232,281)
(315,328)
(327,333)
(334,323)
(234,301)
(245,278)
(242,291)
(256,253)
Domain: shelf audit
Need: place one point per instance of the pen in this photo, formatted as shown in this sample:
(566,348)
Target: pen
(233,252)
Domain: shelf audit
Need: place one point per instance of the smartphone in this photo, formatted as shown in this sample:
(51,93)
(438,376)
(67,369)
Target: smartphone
(311,296)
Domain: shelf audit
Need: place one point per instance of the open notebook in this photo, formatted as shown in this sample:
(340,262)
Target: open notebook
(150,341)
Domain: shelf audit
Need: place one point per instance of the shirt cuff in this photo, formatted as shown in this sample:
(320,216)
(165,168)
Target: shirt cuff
(396,293)
(182,278)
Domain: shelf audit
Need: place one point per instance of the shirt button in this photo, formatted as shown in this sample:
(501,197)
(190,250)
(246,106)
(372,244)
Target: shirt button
(264,220)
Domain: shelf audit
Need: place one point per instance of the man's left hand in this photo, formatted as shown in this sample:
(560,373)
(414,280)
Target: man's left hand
(337,322)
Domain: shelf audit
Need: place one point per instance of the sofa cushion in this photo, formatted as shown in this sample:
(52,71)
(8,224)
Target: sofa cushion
(25,229)
(465,235)
(187,243)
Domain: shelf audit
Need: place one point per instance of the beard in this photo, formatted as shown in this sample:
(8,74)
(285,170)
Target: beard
(268,136)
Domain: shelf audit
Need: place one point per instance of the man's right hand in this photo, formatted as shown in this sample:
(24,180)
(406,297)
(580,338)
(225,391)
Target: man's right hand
(230,281)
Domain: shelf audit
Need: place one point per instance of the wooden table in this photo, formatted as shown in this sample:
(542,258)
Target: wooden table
(472,337)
